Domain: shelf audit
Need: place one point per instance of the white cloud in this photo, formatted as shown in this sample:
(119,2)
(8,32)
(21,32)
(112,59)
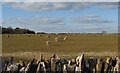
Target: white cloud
(107,5)
(51,6)
(37,21)
(60,0)
(89,19)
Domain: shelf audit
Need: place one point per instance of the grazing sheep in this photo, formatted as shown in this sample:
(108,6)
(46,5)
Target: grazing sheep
(47,43)
(56,39)
(48,36)
(65,38)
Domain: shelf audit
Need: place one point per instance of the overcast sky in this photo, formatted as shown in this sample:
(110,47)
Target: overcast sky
(56,17)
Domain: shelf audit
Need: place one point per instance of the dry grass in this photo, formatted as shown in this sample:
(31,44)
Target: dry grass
(29,47)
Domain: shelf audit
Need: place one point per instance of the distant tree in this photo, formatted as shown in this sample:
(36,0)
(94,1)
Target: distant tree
(8,30)
(30,32)
(17,30)
(41,33)
(63,33)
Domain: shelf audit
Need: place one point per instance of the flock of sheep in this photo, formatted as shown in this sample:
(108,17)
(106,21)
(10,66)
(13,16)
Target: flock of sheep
(56,40)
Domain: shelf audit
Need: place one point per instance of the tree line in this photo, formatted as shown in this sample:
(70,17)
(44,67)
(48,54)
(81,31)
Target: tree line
(17,30)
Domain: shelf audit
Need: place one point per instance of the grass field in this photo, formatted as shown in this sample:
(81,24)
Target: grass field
(91,44)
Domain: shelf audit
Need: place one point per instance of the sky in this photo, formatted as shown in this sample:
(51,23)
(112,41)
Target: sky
(61,17)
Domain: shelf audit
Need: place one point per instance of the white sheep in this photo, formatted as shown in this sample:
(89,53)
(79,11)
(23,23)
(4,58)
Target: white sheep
(47,43)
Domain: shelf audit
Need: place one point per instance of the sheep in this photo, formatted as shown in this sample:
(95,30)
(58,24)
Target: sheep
(56,39)
(48,36)
(47,43)
(65,38)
